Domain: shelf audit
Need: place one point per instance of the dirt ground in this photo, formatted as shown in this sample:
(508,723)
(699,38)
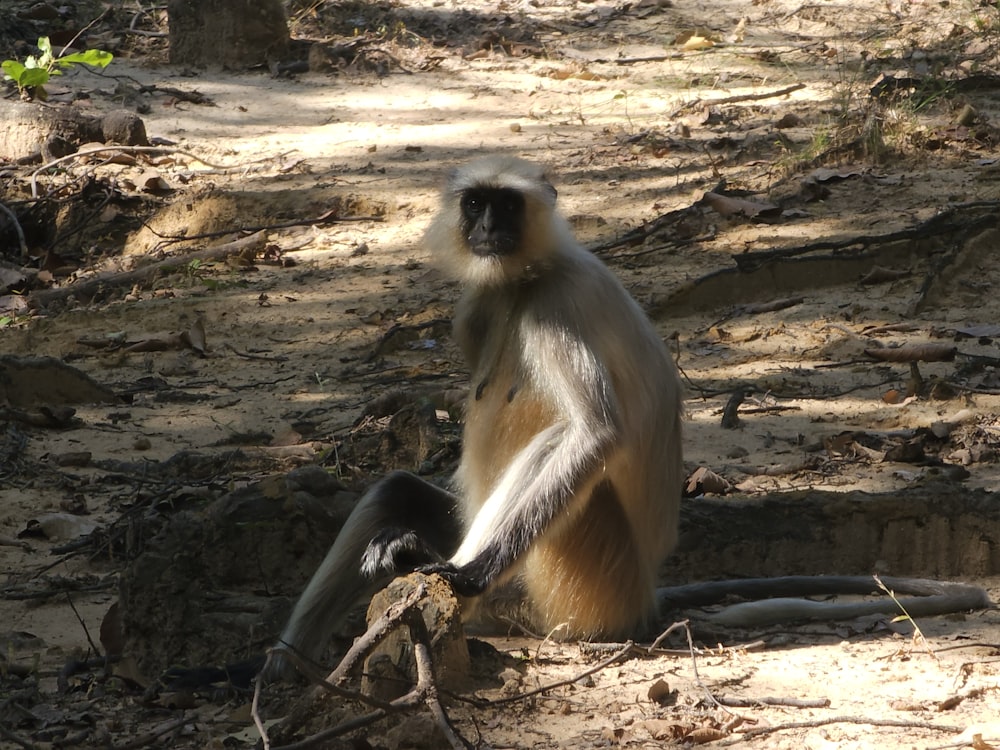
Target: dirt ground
(791,190)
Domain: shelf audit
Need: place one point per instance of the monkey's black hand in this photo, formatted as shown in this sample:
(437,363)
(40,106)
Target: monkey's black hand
(464,582)
(395,550)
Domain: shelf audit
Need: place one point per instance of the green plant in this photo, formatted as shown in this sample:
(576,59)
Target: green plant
(32,75)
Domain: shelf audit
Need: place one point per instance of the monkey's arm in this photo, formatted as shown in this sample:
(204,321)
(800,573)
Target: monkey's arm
(555,469)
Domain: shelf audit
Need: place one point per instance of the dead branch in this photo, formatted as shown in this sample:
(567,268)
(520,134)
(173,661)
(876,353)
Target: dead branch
(154,736)
(692,652)
(124,149)
(16,738)
(733,701)
(889,328)
(17,228)
(812,723)
(88,288)
(778,470)
(915,353)
(628,648)
(425,692)
(772,306)
(880,275)
(426,689)
(330,216)
(951,220)
(259,357)
(735,99)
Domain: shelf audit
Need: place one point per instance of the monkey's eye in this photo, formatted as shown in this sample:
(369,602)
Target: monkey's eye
(473,204)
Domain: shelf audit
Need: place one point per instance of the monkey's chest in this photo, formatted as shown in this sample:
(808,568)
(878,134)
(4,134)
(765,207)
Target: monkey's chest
(503,413)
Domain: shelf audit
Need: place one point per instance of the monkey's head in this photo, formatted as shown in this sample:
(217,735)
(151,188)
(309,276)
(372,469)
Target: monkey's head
(496,222)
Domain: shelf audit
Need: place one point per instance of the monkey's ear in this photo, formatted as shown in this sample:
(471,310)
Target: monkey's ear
(549,187)
(451,179)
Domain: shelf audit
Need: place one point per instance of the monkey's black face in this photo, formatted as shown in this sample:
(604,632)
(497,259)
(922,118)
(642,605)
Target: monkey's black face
(492,220)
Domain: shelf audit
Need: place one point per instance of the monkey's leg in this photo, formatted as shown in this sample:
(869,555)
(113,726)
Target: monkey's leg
(402,519)
(921,598)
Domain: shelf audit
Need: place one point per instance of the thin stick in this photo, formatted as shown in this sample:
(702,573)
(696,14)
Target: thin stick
(809,724)
(126,149)
(255,703)
(17,228)
(426,684)
(90,287)
(624,651)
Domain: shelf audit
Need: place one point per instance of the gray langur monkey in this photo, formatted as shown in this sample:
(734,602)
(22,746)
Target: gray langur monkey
(570,478)
(571,471)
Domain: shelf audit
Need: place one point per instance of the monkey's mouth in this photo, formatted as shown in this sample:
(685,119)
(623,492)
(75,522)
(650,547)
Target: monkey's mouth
(493,247)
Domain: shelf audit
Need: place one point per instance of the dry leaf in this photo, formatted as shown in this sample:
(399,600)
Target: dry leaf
(980,331)
(705,734)
(697,42)
(789,120)
(729,206)
(660,692)
(705,481)
(892,396)
(150,181)
(663,729)
(194,337)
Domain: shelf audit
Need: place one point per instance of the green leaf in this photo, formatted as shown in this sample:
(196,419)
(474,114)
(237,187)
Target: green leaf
(33,77)
(95,57)
(45,59)
(13,69)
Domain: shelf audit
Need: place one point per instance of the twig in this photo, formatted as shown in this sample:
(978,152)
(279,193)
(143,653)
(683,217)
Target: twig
(126,149)
(628,648)
(952,219)
(86,631)
(733,701)
(736,98)
(16,738)
(426,688)
(424,692)
(778,470)
(152,737)
(255,703)
(332,683)
(17,228)
(686,624)
(918,634)
(809,724)
(663,636)
(92,286)
(376,633)
(261,357)
(141,32)
(326,216)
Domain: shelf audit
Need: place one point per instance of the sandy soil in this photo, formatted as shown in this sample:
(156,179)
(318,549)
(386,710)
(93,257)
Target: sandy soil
(637,122)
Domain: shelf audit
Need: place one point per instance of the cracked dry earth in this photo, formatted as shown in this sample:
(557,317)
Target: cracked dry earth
(307,352)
